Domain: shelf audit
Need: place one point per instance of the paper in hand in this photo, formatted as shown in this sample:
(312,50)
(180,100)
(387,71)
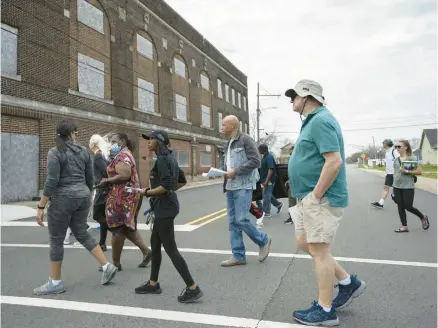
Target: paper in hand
(213,173)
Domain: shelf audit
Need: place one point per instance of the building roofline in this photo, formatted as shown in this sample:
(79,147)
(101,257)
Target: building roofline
(162,21)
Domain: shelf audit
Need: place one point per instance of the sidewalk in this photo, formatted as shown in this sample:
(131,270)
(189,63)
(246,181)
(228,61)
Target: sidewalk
(27,209)
(427,184)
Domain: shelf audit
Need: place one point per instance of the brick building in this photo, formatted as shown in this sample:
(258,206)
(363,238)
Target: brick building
(112,65)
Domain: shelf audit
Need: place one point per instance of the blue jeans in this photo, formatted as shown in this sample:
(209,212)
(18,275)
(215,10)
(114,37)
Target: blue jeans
(238,204)
(268,199)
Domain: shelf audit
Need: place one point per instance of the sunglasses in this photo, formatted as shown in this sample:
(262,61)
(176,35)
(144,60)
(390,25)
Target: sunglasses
(398,146)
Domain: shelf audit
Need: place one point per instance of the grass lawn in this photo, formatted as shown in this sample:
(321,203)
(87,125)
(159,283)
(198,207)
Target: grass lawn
(430,175)
(424,167)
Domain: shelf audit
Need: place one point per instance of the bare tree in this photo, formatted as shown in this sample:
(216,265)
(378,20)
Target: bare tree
(415,143)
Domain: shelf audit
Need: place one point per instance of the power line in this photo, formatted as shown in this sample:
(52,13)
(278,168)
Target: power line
(366,129)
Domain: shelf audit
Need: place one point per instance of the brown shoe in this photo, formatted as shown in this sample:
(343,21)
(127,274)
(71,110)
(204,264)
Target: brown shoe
(232,262)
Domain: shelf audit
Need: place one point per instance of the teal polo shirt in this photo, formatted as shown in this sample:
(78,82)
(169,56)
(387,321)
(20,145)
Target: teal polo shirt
(320,133)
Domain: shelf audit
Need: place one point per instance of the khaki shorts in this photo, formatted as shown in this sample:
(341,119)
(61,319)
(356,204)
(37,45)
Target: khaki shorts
(317,221)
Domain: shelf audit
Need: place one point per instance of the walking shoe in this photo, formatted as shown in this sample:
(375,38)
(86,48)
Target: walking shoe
(259,221)
(232,262)
(264,250)
(118,266)
(315,316)
(147,288)
(289,221)
(268,215)
(146,259)
(50,288)
(377,205)
(425,222)
(279,208)
(348,293)
(108,274)
(190,295)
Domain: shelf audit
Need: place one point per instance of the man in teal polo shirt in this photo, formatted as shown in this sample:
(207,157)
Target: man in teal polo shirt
(317,173)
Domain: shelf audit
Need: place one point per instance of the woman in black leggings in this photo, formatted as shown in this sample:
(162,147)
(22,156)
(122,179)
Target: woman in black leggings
(405,167)
(165,179)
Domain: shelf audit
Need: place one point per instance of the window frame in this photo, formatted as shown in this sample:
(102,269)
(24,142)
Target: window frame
(202,116)
(88,67)
(200,158)
(90,12)
(179,103)
(13,31)
(175,59)
(152,92)
(150,55)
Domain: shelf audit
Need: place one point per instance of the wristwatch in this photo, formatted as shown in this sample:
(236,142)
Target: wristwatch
(146,192)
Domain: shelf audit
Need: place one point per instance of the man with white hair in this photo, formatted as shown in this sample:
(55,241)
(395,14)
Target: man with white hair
(241,164)
(317,174)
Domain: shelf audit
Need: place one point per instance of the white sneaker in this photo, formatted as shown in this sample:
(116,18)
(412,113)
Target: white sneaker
(259,222)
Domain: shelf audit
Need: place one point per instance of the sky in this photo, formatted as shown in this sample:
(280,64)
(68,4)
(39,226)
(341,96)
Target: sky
(376,60)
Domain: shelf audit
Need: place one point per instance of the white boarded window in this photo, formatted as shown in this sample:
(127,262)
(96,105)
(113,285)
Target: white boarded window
(241,125)
(244,103)
(227,93)
(146,96)
(91,76)
(180,67)
(239,100)
(233,97)
(9,39)
(219,89)
(206,116)
(90,16)
(205,159)
(183,158)
(145,47)
(219,121)
(205,82)
(181,107)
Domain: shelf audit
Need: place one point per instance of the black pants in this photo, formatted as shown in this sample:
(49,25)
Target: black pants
(163,234)
(99,217)
(405,202)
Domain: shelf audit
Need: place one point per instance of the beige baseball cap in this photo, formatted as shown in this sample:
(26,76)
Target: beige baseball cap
(307,88)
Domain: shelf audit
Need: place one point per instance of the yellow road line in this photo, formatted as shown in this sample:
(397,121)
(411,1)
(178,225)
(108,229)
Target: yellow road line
(205,217)
(213,219)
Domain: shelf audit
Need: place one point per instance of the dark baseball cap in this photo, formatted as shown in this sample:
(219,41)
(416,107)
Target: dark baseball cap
(158,135)
(388,142)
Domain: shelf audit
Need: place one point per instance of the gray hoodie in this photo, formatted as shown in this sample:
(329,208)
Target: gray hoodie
(69,174)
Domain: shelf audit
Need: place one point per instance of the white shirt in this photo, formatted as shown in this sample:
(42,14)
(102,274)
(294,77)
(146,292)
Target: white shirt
(390,157)
(229,155)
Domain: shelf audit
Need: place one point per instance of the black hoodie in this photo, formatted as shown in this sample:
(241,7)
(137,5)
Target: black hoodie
(69,174)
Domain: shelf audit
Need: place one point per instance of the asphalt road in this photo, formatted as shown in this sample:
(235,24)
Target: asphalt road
(400,271)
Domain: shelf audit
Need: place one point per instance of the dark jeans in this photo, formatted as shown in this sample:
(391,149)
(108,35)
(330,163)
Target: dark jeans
(68,212)
(99,217)
(405,202)
(163,234)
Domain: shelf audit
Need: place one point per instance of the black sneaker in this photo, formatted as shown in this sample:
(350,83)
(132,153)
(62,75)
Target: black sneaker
(377,205)
(146,259)
(190,295)
(104,248)
(289,221)
(147,288)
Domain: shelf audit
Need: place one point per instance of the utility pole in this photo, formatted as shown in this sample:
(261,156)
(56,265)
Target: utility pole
(258,109)
(374,148)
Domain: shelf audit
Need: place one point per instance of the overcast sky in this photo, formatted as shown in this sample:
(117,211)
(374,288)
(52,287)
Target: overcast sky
(376,59)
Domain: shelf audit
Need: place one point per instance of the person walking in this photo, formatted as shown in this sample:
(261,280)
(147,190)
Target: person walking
(67,192)
(317,173)
(292,201)
(406,168)
(268,177)
(122,206)
(100,149)
(165,179)
(242,162)
(391,156)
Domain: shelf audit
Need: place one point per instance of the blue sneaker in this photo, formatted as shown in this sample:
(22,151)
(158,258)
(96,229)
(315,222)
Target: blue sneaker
(315,316)
(348,293)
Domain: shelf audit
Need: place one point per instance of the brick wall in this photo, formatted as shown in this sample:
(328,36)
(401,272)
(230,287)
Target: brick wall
(19,125)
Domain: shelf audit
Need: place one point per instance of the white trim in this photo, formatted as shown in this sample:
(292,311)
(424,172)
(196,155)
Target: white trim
(67,13)
(11,29)
(224,252)
(182,121)
(146,112)
(86,95)
(191,44)
(207,127)
(138,312)
(98,117)
(12,77)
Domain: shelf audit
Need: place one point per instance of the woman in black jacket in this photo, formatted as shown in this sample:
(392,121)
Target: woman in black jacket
(100,149)
(165,179)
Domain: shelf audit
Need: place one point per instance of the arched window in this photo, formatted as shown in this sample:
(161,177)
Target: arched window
(91,66)
(145,66)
